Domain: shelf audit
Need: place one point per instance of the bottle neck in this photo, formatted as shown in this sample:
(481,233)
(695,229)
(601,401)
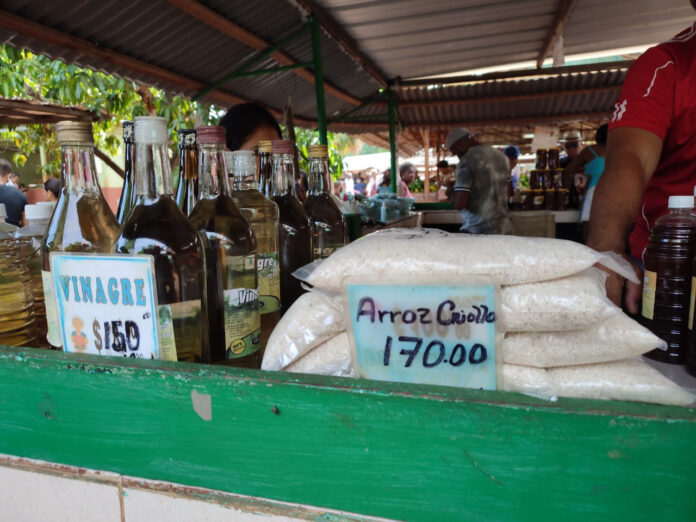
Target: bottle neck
(283,174)
(266,173)
(245,180)
(318,176)
(681,211)
(188,163)
(212,174)
(78,169)
(129,160)
(153,176)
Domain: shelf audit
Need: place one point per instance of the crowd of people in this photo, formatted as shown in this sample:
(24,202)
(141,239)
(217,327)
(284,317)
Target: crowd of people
(12,193)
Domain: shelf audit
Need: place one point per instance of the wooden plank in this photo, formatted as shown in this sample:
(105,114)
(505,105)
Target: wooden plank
(384,449)
(562,13)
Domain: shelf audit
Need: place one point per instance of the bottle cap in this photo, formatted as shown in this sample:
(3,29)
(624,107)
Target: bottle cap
(74,133)
(318,151)
(680,202)
(242,162)
(47,203)
(37,212)
(187,138)
(128,135)
(151,129)
(3,212)
(265,146)
(283,147)
(211,134)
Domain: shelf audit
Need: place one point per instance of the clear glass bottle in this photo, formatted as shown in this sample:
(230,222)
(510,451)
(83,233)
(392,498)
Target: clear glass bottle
(262,215)
(328,223)
(125,202)
(187,188)
(29,239)
(230,250)
(266,168)
(82,220)
(156,226)
(16,307)
(295,238)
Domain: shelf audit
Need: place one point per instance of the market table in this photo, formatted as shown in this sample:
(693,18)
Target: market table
(375,448)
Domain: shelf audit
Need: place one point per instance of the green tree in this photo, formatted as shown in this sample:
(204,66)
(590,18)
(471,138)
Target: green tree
(339,144)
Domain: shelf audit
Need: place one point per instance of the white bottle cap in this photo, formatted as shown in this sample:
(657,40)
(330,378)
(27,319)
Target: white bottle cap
(151,129)
(3,212)
(32,212)
(680,202)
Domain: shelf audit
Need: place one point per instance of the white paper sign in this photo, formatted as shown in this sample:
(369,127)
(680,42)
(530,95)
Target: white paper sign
(106,304)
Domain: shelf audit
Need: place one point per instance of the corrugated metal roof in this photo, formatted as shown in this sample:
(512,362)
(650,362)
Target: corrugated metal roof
(412,38)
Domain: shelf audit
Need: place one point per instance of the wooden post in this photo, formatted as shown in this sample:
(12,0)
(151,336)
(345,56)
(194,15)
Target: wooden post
(426,146)
(42,156)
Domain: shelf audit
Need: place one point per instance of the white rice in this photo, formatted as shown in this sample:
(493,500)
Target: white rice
(618,337)
(530,381)
(329,358)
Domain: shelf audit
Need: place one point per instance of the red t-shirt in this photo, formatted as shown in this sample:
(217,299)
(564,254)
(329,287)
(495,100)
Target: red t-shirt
(659,95)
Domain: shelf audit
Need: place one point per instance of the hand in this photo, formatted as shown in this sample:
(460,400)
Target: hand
(616,285)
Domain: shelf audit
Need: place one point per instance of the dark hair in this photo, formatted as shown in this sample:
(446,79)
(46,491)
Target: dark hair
(601,134)
(5,167)
(405,167)
(53,185)
(442,164)
(241,121)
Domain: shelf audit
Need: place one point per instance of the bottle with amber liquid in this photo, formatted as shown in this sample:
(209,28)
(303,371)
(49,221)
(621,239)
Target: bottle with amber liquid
(230,251)
(328,223)
(125,202)
(187,186)
(266,168)
(295,238)
(82,220)
(156,226)
(262,215)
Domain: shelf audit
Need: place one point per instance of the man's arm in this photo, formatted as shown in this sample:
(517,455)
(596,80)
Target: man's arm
(631,159)
(460,199)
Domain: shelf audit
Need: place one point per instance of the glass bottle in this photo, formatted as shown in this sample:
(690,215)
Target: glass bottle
(16,307)
(266,168)
(29,239)
(262,215)
(82,220)
(156,226)
(328,223)
(230,250)
(295,238)
(187,187)
(125,202)
(667,278)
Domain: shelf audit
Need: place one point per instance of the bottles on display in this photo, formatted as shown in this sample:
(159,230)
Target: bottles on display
(29,239)
(262,215)
(230,251)
(668,262)
(295,238)
(187,187)
(157,226)
(125,203)
(82,220)
(266,168)
(328,223)
(16,306)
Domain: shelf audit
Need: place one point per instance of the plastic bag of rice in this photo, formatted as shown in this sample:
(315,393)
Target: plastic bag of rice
(627,380)
(332,357)
(413,252)
(618,337)
(311,320)
(570,303)
(530,381)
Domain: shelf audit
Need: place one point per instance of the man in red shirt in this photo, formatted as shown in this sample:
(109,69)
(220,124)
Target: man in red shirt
(651,153)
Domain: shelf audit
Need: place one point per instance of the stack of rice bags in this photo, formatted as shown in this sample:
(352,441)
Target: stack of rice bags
(563,336)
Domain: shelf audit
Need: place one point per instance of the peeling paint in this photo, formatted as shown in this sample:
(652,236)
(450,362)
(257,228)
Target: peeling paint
(202,405)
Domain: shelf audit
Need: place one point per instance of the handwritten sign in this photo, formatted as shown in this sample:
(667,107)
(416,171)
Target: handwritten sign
(106,304)
(439,333)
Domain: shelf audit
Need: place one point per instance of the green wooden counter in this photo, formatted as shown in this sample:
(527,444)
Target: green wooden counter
(383,449)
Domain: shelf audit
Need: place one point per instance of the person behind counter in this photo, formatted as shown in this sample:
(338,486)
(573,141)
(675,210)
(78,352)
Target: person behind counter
(407,173)
(480,188)
(512,153)
(651,153)
(13,198)
(572,145)
(51,189)
(248,123)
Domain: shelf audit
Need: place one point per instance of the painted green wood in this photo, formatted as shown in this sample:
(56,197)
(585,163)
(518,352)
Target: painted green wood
(386,449)
(433,205)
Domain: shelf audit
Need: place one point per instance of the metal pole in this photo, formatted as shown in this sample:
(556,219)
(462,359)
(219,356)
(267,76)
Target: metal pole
(392,136)
(319,79)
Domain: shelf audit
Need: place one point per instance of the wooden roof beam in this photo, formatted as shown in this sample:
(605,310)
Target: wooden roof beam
(562,14)
(226,26)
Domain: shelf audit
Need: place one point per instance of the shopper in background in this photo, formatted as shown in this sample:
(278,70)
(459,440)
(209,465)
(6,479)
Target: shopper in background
(373,183)
(651,153)
(513,153)
(11,197)
(13,180)
(360,184)
(51,189)
(480,190)
(407,173)
(248,123)
(572,145)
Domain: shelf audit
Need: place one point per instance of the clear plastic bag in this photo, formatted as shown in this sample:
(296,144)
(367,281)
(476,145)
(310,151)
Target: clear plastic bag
(571,303)
(332,357)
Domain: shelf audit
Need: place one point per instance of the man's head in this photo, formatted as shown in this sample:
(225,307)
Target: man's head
(512,153)
(5,171)
(407,172)
(572,143)
(459,141)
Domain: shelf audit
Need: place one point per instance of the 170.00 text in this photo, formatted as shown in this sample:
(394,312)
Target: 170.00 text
(435,353)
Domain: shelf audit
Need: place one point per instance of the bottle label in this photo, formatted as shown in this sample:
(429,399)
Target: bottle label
(242,322)
(53,335)
(691,303)
(325,250)
(269,282)
(649,287)
(165,325)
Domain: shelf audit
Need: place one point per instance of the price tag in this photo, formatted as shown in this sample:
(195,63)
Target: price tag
(106,304)
(440,333)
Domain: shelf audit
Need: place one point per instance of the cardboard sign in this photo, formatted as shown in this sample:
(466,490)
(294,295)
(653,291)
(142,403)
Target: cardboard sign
(436,333)
(107,304)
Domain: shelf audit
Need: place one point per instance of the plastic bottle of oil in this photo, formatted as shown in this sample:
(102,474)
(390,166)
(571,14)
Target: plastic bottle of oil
(668,262)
